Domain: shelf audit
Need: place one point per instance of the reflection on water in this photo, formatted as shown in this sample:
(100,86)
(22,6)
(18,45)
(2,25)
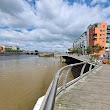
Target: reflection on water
(23,79)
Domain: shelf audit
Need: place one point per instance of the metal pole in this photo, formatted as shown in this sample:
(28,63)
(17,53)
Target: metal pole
(82,70)
(90,68)
(65,79)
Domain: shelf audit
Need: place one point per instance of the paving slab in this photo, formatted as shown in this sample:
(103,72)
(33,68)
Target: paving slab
(90,93)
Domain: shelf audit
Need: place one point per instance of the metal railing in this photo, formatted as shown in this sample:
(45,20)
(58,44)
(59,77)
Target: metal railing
(63,79)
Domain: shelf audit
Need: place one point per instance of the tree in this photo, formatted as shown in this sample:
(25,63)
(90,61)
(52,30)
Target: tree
(89,50)
(73,51)
(97,48)
(36,50)
(78,51)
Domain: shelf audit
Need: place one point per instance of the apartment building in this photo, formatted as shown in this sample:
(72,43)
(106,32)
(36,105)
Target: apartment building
(108,39)
(81,42)
(97,34)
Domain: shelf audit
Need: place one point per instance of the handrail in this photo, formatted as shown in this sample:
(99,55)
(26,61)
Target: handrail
(49,100)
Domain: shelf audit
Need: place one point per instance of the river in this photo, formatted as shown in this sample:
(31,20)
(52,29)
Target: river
(23,79)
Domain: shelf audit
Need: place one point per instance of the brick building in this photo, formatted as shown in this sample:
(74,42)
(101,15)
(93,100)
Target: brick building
(97,34)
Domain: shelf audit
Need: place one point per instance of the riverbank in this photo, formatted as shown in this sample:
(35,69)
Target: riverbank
(11,53)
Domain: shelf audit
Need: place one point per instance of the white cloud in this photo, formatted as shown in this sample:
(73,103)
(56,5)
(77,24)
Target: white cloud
(98,1)
(16,13)
(57,23)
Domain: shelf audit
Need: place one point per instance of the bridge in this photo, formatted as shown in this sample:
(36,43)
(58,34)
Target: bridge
(79,86)
(31,53)
(39,53)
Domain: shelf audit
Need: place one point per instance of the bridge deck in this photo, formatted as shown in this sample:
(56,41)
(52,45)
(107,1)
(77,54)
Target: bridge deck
(90,93)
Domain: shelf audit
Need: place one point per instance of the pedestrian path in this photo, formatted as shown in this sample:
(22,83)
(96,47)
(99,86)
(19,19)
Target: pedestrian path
(90,93)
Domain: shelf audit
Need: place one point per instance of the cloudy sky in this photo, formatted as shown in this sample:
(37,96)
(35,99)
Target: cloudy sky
(48,25)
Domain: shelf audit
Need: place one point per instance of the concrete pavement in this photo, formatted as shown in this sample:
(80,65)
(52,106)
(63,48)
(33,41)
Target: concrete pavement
(90,93)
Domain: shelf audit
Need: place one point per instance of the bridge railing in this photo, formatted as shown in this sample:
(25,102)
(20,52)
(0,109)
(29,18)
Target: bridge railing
(64,78)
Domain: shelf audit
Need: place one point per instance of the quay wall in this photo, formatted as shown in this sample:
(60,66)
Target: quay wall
(76,70)
(11,53)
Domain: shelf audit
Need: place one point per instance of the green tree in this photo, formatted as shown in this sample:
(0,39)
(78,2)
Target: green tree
(10,50)
(89,50)
(73,51)
(36,50)
(78,51)
(97,48)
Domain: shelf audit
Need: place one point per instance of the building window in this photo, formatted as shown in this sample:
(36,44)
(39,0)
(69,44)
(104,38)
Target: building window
(94,39)
(101,34)
(102,39)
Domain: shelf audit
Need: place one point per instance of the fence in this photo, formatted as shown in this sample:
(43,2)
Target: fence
(65,77)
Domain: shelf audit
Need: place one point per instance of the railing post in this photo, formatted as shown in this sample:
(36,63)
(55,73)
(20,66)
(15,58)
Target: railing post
(49,99)
(65,79)
(90,68)
(82,70)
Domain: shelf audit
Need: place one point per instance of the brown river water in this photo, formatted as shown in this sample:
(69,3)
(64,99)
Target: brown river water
(23,79)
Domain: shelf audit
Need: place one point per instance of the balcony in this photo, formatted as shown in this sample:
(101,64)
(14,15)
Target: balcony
(108,31)
(94,35)
(108,39)
(108,34)
(94,39)
(108,27)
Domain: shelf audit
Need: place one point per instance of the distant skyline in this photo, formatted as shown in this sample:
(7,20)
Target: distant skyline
(48,25)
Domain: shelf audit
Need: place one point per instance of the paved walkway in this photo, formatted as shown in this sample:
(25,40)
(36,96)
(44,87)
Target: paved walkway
(90,93)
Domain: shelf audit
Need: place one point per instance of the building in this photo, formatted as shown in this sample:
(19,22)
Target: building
(11,48)
(97,34)
(108,39)
(81,42)
(2,48)
(7,48)
(15,48)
